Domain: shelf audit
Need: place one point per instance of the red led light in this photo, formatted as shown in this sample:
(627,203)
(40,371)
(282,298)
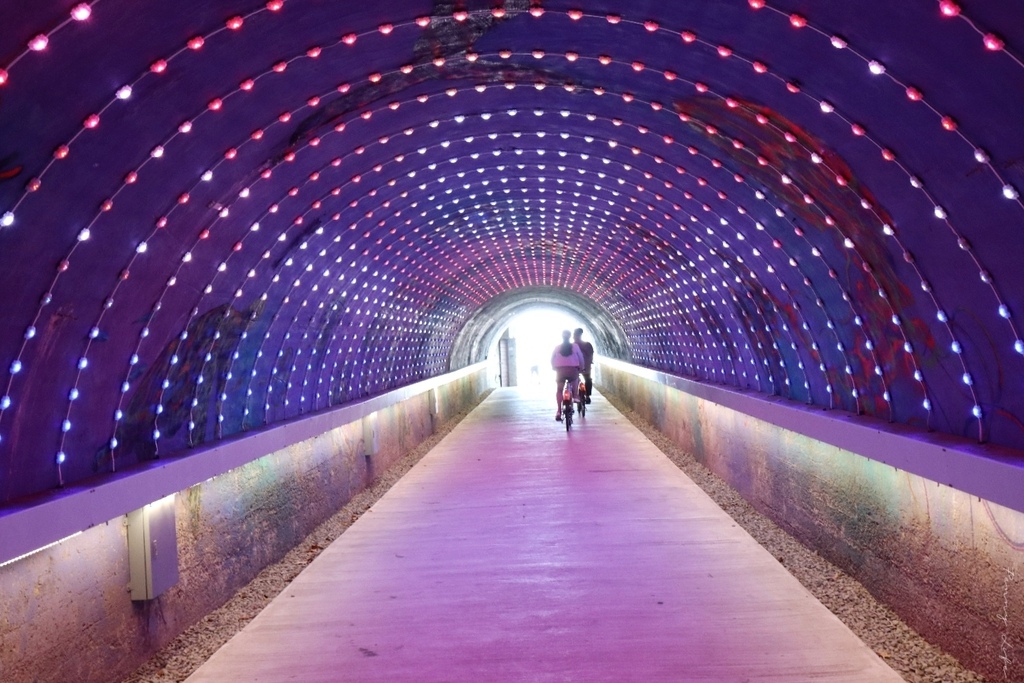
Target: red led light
(285,117)
(792,87)
(92,121)
(575,14)
(424,22)
(604,59)
(688,36)
(280,67)
(760,68)
(948,8)
(231,153)
(460,15)
(196,43)
(651,26)
(313,52)
(159,66)
(183,199)
(343,88)
(81,12)
(731,103)
(993,42)
(204,234)
(888,155)
(756,4)
(131,178)
(948,123)
(34,184)
(857,129)
(235,23)
(349,38)
(162,223)
(3,76)
(537,11)
(762,119)
(215,104)
(256,134)
(275,5)
(724,51)
(497,13)
(638,66)
(61,152)
(438,62)
(313,101)
(913,94)
(38,43)
(700,87)
(670,75)
(247,85)
(797,21)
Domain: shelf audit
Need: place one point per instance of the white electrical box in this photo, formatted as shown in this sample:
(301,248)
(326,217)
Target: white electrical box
(152,549)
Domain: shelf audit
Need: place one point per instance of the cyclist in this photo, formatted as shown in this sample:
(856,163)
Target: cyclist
(588,360)
(566,361)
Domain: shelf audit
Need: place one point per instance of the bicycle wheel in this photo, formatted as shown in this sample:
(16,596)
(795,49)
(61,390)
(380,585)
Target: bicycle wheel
(583,406)
(567,414)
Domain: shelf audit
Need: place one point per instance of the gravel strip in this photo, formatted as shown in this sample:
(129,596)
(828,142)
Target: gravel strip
(916,660)
(906,652)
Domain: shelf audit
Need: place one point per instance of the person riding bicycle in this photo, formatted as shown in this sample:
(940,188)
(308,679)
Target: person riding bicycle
(566,361)
(588,360)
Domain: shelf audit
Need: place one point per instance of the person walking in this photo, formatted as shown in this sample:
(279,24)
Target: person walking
(587,349)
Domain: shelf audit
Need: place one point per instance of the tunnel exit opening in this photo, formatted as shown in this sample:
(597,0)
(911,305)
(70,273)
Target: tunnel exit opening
(523,351)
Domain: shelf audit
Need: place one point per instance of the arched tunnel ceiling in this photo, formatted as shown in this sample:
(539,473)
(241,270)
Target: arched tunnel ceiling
(219,216)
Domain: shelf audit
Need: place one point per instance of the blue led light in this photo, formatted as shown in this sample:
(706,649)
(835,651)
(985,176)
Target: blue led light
(16,367)
(61,458)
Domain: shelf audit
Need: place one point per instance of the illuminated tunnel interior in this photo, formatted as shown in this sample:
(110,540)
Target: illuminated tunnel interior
(216,217)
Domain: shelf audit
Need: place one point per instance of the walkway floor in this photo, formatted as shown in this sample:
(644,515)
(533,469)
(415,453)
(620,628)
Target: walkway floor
(516,552)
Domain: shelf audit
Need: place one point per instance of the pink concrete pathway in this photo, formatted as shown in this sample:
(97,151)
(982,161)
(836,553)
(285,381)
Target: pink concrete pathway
(516,552)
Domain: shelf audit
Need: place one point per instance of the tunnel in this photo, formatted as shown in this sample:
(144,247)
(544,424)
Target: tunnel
(231,230)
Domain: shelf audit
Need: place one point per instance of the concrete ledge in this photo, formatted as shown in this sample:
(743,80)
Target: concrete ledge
(42,520)
(990,472)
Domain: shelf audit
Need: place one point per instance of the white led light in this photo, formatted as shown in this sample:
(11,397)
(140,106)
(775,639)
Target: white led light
(876,68)
(1010,192)
(7,220)
(124,92)
(207,176)
(84,235)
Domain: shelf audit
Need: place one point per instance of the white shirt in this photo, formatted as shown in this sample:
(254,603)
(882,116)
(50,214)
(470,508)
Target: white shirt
(573,360)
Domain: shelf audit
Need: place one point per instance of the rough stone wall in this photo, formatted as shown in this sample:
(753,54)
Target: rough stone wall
(950,564)
(66,612)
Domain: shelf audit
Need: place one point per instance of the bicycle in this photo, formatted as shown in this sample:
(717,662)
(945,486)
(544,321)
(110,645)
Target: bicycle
(582,393)
(567,404)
